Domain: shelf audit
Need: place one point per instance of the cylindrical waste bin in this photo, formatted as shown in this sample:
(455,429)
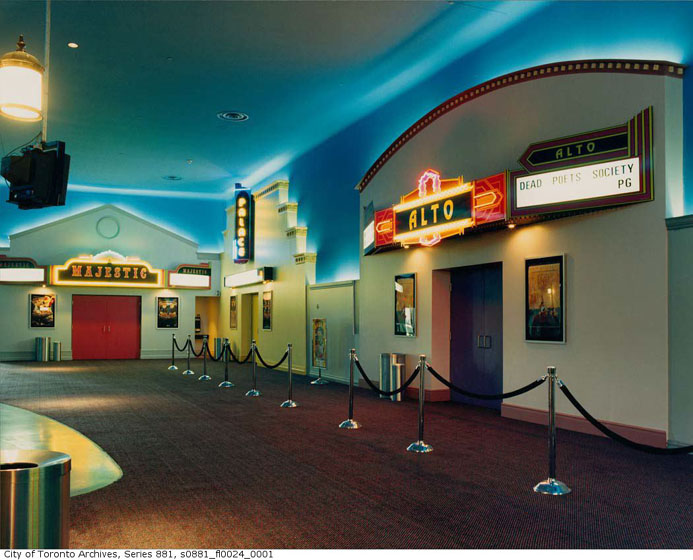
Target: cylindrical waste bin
(34,499)
(391,366)
(56,355)
(41,349)
(218,347)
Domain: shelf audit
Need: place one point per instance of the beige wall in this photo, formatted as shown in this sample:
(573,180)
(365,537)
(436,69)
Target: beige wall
(681,329)
(57,242)
(273,247)
(616,356)
(333,302)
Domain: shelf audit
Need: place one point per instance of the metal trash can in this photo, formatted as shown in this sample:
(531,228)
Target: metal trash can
(34,499)
(218,346)
(56,354)
(391,367)
(41,349)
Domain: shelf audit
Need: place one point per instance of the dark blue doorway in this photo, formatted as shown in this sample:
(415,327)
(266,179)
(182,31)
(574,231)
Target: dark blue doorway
(476,331)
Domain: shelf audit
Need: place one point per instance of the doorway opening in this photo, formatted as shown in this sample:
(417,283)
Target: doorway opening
(206,320)
(476,332)
(106,327)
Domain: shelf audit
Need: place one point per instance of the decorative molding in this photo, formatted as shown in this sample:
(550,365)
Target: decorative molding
(599,66)
(18,356)
(287,207)
(302,258)
(101,208)
(328,285)
(430,395)
(647,436)
(269,189)
(681,222)
(297,231)
(156,355)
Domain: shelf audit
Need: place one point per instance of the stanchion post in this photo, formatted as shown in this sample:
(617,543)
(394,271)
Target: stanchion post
(226,382)
(253,392)
(319,380)
(205,348)
(350,423)
(551,485)
(189,346)
(290,402)
(173,367)
(419,446)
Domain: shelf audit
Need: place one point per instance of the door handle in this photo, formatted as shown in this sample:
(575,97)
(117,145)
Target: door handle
(109,328)
(487,341)
(479,341)
(103,329)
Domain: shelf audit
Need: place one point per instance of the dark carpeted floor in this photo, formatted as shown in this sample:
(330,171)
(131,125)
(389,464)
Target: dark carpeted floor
(207,468)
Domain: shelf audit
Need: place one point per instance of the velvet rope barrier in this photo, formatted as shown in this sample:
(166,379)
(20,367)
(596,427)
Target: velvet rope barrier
(274,366)
(613,435)
(499,396)
(209,353)
(192,349)
(385,393)
(175,343)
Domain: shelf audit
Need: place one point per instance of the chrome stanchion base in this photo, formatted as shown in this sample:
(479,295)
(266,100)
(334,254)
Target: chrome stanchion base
(253,393)
(172,368)
(204,378)
(188,372)
(226,384)
(420,447)
(350,424)
(319,381)
(289,404)
(553,487)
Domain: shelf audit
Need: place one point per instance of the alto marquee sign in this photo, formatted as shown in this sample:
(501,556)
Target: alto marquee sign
(440,208)
(599,169)
(14,270)
(107,269)
(192,276)
(590,170)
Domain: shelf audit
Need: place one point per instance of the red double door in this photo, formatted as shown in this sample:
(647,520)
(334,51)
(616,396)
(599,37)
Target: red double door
(106,327)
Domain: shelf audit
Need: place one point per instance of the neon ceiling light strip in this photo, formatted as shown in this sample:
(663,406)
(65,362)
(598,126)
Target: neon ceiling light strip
(433,198)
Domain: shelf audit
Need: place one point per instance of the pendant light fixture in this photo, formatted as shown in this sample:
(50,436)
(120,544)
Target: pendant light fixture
(21,85)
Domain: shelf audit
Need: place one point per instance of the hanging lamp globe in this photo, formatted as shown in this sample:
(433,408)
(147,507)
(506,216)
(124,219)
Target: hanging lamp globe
(21,82)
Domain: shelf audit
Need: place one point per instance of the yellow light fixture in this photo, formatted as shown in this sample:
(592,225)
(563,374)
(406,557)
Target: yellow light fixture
(21,82)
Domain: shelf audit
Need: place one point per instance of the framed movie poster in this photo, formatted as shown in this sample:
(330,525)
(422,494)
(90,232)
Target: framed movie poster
(320,343)
(405,305)
(545,300)
(166,312)
(42,311)
(233,312)
(267,311)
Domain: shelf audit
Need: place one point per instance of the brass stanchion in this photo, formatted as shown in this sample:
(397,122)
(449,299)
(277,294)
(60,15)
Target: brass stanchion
(173,367)
(319,380)
(290,403)
(226,382)
(419,446)
(551,485)
(205,348)
(253,392)
(350,423)
(189,371)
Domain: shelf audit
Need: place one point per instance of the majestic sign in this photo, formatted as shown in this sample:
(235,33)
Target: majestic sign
(21,271)
(195,276)
(107,269)
(245,222)
(590,170)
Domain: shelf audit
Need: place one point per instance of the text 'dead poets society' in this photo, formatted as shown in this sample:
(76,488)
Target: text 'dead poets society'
(579,183)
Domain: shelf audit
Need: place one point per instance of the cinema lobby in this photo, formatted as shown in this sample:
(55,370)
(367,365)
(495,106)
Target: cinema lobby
(285,276)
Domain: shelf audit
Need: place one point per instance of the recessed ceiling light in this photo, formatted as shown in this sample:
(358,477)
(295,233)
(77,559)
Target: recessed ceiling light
(235,116)
(189,161)
(172,177)
(73,45)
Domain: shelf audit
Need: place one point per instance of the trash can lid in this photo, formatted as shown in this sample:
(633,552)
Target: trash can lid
(21,465)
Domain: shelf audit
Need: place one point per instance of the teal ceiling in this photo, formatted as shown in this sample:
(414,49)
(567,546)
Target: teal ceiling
(139,97)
